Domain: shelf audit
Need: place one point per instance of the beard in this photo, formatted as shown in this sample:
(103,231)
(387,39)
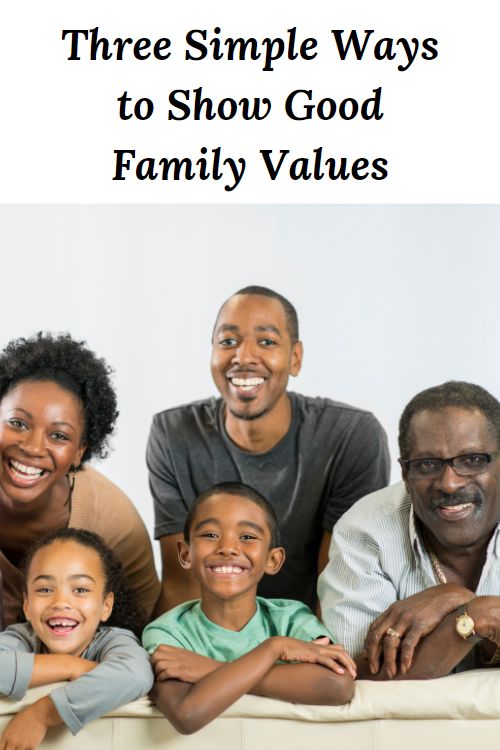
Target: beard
(248,417)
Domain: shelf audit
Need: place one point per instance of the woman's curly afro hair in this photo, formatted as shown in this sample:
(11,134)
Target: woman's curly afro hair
(71,365)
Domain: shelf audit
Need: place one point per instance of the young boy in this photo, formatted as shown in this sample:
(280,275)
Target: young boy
(209,652)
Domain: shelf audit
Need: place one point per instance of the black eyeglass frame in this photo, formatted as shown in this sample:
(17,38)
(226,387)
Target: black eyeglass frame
(407,462)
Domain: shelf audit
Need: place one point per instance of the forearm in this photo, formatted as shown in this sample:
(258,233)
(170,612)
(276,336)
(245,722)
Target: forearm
(28,728)
(20,671)
(311,684)
(49,668)
(191,707)
(45,711)
(123,675)
(436,655)
(439,652)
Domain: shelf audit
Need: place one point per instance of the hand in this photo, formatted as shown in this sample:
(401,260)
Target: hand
(412,618)
(315,652)
(28,728)
(485,611)
(81,666)
(172,663)
(23,733)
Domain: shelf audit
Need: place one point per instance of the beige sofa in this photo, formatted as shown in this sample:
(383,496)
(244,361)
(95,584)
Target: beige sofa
(462,711)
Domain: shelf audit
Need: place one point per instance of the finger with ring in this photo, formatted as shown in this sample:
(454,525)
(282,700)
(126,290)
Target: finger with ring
(392,633)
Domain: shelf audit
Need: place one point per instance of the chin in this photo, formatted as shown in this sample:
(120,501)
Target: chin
(246,416)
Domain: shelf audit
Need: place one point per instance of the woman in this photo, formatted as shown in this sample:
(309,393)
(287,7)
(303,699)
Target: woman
(57,410)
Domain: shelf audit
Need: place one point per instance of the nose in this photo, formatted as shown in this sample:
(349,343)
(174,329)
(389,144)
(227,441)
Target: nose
(60,602)
(228,545)
(450,481)
(245,353)
(33,443)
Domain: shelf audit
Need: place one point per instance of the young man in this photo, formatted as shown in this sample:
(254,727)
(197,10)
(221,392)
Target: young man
(208,653)
(311,457)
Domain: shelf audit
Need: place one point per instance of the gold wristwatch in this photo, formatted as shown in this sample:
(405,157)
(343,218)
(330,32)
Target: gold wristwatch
(464,625)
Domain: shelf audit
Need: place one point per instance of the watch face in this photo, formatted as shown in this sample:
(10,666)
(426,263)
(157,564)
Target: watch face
(464,625)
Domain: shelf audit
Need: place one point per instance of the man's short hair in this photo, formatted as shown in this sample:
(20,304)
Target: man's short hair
(454,393)
(292,320)
(238,489)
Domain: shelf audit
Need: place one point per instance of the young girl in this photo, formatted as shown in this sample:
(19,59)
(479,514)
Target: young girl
(209,652)
(73,584)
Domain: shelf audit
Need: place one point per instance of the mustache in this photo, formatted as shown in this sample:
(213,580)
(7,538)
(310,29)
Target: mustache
(460,497)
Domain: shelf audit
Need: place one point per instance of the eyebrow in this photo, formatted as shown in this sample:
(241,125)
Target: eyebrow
(466,452)
(71,578)
(19,408)
(252,526)
(59,423)
(261,329)
(205,522)
(216,521)
(269,327)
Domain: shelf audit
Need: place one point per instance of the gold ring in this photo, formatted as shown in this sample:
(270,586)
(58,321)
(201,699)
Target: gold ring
(392,633)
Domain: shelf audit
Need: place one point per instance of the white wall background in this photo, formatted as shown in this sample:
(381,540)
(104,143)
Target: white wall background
(391,299)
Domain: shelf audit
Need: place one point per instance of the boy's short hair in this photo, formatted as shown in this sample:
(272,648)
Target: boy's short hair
(239,489)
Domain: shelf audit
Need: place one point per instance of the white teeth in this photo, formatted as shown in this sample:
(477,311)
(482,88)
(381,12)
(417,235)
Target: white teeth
(30,470)
(227,569)
(247,383)
(61,622)
(456,508)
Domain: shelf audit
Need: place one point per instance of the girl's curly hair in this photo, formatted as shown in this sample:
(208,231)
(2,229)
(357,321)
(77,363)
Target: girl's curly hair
(126,613)
(71,365)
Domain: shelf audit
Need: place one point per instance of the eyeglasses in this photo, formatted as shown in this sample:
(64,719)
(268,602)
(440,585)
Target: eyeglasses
(467,465)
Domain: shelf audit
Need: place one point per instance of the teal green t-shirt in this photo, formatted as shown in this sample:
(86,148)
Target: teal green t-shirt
(186,626)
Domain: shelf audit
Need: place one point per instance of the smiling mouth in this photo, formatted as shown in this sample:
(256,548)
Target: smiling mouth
(62,625)
(226,569)
(24,472)
(451,509)
(246,384)
(455,511)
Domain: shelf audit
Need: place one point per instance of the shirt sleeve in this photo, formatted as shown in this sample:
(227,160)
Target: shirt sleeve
(155,635)
(364,467)
(16,664)
(353,588)
(305,626)
(123,675)
(169,505)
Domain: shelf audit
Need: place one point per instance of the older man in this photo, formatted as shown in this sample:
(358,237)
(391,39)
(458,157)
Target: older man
(311,457)
(414,569)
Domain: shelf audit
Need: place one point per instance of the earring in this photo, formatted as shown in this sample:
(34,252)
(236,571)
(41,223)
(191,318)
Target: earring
(71,479)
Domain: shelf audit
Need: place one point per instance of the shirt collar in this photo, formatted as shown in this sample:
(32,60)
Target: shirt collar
(494,545)
(417,544)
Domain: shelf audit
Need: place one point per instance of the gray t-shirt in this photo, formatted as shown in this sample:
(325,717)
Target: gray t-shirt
(332,455)
(123,674)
